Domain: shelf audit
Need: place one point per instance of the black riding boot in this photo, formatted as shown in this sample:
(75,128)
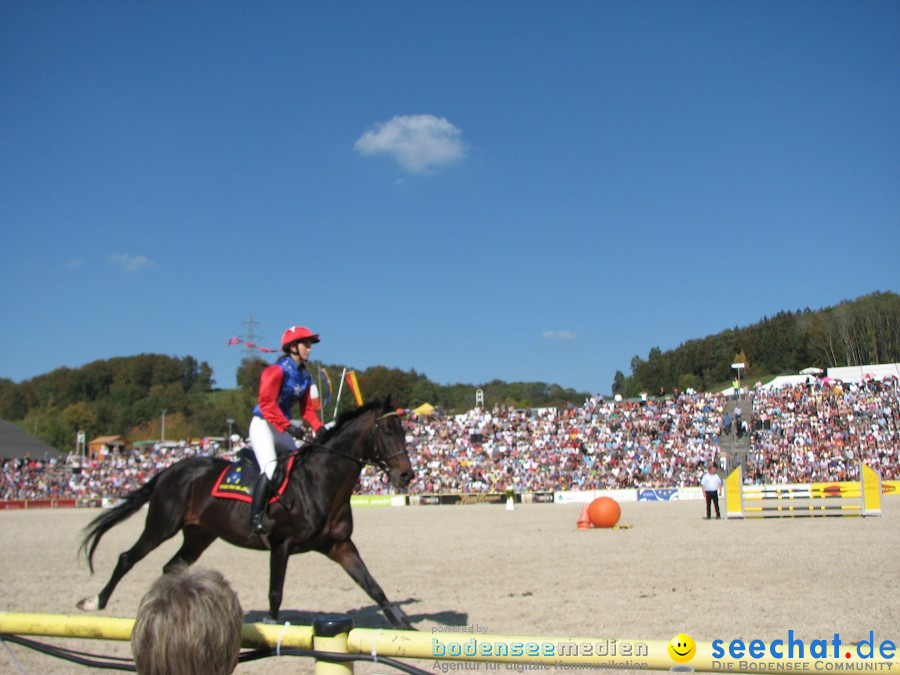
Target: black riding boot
(257,506)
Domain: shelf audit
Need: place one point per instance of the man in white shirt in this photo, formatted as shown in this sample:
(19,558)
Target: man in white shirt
(711,484)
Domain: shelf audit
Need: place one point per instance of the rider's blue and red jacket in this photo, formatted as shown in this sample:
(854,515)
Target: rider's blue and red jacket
(281,386)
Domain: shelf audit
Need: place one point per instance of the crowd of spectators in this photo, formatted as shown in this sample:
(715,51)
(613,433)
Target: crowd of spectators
(110,475)
(820,431)
(602,444)
(817,431)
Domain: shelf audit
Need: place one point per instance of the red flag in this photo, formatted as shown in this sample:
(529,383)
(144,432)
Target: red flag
(250,345)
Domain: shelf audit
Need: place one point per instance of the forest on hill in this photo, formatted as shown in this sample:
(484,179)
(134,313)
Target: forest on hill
(852,333)
(135,396)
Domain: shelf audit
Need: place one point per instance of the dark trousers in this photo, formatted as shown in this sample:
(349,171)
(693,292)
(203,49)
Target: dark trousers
(712,497)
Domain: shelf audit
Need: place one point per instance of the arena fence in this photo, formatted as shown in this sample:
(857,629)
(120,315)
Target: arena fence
(333,640)
(816,500)
(625,495)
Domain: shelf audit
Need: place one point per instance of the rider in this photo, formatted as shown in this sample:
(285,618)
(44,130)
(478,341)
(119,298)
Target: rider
(281,386)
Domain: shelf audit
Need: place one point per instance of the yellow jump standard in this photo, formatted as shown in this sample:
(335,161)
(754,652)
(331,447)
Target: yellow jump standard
(867,491)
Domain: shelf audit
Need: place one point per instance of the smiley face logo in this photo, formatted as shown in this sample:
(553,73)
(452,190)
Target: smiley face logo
(682,648)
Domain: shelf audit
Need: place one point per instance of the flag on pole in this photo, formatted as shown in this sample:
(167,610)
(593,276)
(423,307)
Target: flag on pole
(337,401)
(250,345)
(326,386)
(354,387)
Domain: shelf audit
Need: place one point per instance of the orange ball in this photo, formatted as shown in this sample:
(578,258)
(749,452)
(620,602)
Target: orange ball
(604,512)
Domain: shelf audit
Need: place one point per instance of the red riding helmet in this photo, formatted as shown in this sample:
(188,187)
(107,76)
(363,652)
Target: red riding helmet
(294,333)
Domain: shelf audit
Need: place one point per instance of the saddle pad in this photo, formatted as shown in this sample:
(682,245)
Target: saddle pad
(236,480)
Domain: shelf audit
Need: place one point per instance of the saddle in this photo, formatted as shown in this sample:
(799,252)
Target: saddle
(236,480)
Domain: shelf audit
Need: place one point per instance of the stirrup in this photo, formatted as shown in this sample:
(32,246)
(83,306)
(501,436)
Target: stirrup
(258,526)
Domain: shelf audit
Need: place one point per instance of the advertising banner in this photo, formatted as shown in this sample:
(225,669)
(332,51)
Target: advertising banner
(657,494)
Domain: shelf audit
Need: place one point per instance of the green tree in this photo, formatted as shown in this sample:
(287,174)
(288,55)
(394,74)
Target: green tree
(13,405)
(77,417)
(618,383)
(248,373)
(690,381)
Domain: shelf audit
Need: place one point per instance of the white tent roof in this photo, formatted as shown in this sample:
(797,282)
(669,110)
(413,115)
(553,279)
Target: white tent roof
(858,373)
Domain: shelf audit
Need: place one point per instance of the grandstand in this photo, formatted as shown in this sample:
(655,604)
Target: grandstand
(817,430)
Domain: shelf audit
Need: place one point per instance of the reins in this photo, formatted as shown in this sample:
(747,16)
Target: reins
(370,459)
(302,454)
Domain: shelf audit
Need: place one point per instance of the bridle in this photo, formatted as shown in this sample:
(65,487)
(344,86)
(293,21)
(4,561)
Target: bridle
(379,460)
(370,456)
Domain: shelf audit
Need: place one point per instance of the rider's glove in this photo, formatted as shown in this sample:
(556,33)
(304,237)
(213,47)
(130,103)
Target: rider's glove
(296,431)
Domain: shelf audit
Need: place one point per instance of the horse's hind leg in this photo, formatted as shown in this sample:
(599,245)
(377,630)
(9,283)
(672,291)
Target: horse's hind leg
(347,556)
(161,524)
(196,540)
(149,540)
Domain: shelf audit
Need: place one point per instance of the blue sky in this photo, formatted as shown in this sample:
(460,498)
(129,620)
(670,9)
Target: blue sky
(474,190)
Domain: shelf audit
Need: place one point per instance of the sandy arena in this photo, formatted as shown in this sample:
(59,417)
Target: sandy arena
(525,572)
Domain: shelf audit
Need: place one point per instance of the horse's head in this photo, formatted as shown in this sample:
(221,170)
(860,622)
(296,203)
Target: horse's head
(387,447)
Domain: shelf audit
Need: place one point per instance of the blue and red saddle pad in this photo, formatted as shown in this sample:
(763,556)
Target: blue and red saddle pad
(236,481)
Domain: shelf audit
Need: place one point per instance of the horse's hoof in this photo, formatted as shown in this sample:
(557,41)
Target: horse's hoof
(89,604)
(398,618)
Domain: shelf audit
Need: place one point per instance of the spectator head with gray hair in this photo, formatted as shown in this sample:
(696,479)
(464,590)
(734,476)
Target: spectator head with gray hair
(189,622)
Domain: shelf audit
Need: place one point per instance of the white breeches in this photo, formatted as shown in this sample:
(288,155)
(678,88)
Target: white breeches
(265,438)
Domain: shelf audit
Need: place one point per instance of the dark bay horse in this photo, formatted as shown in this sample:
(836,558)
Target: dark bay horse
(312,514)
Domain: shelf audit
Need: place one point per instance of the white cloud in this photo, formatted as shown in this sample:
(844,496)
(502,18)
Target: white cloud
(76,263)
(419,143)
(558,335)
(130,263)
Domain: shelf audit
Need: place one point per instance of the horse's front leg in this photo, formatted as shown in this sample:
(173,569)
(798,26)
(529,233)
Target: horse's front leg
(347,556)
(278,562)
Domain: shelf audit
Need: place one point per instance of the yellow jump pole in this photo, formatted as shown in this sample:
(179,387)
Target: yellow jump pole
(65,625)
(461,646)
(109,628)
(811,507)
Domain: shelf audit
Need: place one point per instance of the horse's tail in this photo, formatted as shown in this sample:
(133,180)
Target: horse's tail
(106,521)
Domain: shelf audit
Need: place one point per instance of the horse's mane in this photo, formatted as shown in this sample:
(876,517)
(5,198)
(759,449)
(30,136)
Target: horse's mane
(348,416)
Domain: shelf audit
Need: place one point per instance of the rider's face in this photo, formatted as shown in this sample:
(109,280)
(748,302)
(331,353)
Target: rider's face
(302,350)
